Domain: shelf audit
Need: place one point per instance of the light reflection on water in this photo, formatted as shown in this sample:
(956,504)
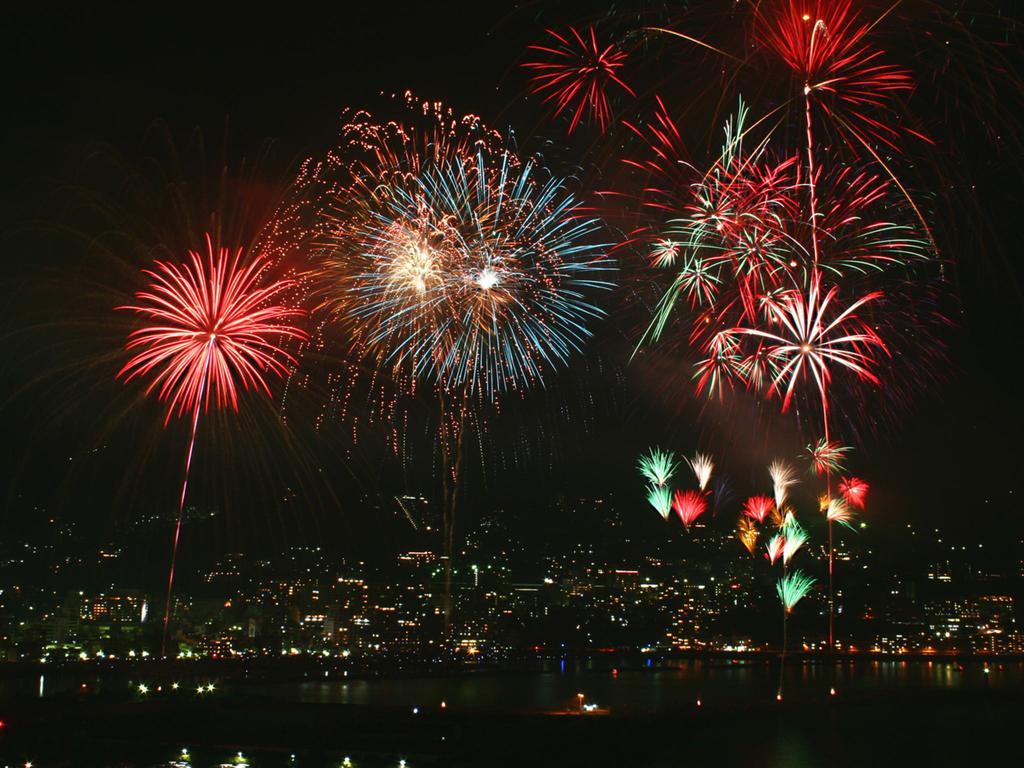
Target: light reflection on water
(670,686)
(629,687)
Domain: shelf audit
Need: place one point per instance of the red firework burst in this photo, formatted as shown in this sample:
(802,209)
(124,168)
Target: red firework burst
(827,47)
(689,505)
(213,330)
(758,507)
(827,456)
(855,491)
(576,75)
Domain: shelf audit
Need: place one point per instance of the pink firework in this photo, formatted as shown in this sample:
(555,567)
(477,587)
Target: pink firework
(212,327)
(576,73)
(758,507)
(854,490)
(689,505)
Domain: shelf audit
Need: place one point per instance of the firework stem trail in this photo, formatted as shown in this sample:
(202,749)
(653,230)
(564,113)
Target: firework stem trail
(782,658)
(810,177)
(451,469)
(181,500)
(831,552)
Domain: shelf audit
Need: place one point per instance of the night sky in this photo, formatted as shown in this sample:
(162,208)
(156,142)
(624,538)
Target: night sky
(88,92)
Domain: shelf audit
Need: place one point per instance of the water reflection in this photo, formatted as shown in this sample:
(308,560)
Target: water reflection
(669,686)
(626,686)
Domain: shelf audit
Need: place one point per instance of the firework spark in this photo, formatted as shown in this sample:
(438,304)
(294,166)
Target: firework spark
(658,466)
(576,74)
(758,508)
(813,337)
(689,505)
(213,328)
(452,265)
(775,547)
(660,498)
(475,278)
(837,511)
(747,533)
(792,588)
(702,466)
(783,477)
(854,491)
(841,73)
(796,537)
(827,456)
(213,331)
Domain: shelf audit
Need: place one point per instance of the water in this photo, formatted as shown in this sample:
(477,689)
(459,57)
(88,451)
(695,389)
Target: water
(885,712)
(666,687)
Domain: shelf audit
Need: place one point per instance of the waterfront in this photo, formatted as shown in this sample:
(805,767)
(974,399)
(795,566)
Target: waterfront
(884,711)
(665,687)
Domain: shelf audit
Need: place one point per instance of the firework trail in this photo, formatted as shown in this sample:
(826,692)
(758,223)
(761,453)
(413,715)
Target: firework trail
(775,547)
(746,259)
(747,533)
(836,511)
(792,588)
(450,263)
(689,505)
(658,466)
(795,537)
(815,333)
(854,491)
(660,498)
(758,508)
(840,73)
(212,329)
(827,456)
(702,466)
(783,477)
(575,73)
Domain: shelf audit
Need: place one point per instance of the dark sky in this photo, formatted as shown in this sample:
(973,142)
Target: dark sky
(87,79)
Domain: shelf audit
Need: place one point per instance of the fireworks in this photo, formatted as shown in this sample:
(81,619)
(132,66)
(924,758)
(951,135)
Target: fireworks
(814,335)
(837,512)
(827,456)
(476,277)
(658,466)
(747,533)
(702,465)
(576,73)
(795,537)
(214,330)
(783,477)
(451,266)
(664,253)
(689,505)
(854,491)
(660,498)
(775,547)
(839,71)
(758,508)
(792,588)
(773,293)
